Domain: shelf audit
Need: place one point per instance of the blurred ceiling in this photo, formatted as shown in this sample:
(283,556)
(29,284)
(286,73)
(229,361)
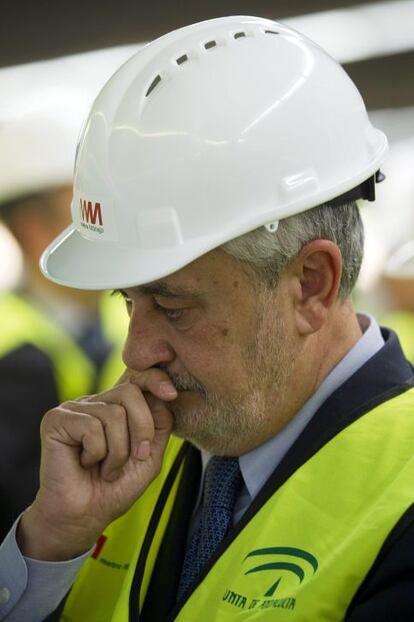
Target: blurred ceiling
(46,29)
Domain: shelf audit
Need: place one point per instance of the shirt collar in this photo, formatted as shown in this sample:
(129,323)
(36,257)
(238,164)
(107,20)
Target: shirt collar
(257,465)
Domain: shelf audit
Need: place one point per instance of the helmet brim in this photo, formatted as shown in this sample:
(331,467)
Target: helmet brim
(74,261)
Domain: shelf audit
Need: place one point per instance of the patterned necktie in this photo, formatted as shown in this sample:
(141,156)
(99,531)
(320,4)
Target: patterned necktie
(222,484)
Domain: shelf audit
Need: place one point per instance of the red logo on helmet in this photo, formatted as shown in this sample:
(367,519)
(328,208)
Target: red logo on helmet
(91,213)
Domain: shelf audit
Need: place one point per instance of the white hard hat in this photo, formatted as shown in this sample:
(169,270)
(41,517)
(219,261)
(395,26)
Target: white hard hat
(42,110)
(207,133)
(37,145)
(401,263)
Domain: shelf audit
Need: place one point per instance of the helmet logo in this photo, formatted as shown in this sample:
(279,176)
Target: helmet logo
(93,216)
(90,214)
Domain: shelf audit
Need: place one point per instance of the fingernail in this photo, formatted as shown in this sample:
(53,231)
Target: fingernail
(144,450)
(168,389)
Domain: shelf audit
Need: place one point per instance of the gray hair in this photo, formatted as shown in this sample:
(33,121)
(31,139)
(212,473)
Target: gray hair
(269,253)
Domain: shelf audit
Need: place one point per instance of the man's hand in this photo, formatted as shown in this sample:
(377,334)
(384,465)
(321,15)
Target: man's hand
(99,454)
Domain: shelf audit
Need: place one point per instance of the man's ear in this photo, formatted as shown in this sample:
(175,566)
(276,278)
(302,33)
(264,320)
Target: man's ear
(317,274)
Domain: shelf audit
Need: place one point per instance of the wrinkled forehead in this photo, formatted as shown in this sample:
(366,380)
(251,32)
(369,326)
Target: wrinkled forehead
(214,272)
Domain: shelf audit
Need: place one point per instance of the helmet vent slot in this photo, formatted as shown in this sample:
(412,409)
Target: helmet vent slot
(153,84)
(238,35)
(182,59)
(210,44)
(271,32)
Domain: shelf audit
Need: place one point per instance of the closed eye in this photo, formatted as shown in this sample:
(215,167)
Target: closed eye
(172,315)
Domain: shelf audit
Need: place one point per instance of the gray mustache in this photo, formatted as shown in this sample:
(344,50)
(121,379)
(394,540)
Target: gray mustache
(183,382)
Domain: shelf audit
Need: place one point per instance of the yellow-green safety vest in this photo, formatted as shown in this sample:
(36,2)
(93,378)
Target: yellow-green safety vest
(304,553)
(402,322)
(23,323)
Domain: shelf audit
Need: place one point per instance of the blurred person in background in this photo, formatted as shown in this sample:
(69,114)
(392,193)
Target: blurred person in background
(55,343)
(398,285)
(386,283)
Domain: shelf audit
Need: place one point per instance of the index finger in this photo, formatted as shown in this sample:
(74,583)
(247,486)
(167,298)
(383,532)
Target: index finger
(139,418)
(152,380)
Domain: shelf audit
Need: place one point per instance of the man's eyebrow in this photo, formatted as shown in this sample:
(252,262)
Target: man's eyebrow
(160,288)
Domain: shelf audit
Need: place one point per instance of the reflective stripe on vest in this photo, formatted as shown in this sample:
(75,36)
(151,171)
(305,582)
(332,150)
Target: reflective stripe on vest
(305,552)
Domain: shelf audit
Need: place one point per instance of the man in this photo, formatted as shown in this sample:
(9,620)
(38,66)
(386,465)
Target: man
(200,163)
(56,342)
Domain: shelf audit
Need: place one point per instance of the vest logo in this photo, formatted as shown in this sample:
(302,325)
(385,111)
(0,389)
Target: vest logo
(96,554)
(294,568)
(282,564)
(99,546)
(91,216)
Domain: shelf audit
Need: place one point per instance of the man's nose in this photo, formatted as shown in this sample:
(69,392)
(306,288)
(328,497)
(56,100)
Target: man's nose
(145,345)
